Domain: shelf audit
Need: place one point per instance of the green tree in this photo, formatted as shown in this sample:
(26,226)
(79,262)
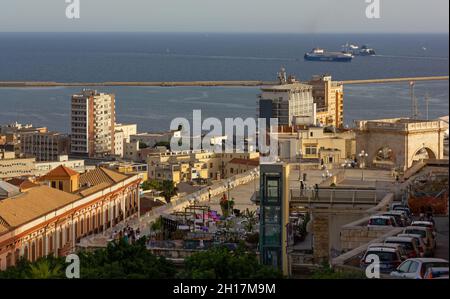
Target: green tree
(142,145)
(221,263)
(166,144)
(251,218)
(119,260)
(151,184)
(43,269)
(168,190)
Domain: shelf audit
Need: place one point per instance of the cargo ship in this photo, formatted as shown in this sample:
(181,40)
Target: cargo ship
(318,54)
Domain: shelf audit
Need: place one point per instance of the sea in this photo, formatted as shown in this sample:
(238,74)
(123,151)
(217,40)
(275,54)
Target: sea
(101,57)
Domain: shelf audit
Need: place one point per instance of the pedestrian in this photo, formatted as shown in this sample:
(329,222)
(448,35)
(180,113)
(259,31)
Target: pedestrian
(209,194)
(316,191)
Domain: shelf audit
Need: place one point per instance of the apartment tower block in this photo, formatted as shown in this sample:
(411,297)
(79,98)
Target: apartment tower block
(92,122)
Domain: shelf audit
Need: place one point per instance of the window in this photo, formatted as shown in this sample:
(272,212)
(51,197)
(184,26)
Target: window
(404,268)
(413,268)
(272,188)
(53,184)
(272,235)
(311,150)
(61,186)
(272,215)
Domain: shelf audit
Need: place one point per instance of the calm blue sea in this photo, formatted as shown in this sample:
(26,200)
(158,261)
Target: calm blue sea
(97,57)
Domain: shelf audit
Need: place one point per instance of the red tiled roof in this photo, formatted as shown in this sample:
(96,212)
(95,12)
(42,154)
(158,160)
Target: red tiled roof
(60,171)
(249,162)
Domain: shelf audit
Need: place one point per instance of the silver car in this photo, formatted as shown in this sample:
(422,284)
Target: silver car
(416,268)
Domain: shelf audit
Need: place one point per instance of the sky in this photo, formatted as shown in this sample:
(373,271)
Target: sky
(289,16)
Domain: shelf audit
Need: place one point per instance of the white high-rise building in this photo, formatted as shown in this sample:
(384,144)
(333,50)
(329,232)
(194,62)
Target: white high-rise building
(93,120)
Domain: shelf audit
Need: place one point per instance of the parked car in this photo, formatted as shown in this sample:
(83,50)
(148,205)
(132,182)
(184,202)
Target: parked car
(380,220)
(408,244)
(397,204)
(390,258)
(405,209)
(428,224)
(437,273)
(420,244)
(403,253)
(427,237)
(400,217)
(416,268)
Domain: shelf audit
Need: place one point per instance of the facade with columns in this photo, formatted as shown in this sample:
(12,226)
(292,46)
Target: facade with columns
(45,220)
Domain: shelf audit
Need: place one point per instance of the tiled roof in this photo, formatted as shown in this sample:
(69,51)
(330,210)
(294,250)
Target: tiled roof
(22,183)
(101,175)
(90,190)
(32,204)
(60,171)
(249,162)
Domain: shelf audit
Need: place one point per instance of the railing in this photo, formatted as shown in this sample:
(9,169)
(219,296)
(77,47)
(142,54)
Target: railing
(334,196)
(203,194)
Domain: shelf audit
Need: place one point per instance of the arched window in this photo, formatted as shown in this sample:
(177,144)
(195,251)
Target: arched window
(33,252)
(88,224)
(60,238)
(40,248)
(68,237)
(50,244)
(9,260)
(25,252)
(16,256)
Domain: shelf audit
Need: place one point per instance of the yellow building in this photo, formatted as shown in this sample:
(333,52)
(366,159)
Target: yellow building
(329,97)
(318,144)
(188,166)
(62,178)
(45,220)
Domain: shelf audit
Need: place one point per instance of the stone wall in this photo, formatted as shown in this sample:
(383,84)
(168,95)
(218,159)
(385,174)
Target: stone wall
(321,243)
(356,234)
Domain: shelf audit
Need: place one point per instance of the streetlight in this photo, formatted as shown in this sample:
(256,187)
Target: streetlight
(362,162)
(346,164)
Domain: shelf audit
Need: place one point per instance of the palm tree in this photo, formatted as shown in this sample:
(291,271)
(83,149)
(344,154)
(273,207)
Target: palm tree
(43,270)
(168,190)
(251,218)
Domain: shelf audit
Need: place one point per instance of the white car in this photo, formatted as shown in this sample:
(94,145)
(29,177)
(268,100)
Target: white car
(428,224)
(380,220)
(421,244)
(427,235)
(417,268)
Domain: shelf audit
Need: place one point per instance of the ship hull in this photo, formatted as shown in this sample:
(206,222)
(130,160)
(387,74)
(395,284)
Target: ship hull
(328,58)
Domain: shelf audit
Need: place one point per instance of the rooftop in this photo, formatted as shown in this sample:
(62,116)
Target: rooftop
(58,172)
(36,202)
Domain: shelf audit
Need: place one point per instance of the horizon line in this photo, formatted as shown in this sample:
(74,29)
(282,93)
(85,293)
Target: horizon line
(238,32)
